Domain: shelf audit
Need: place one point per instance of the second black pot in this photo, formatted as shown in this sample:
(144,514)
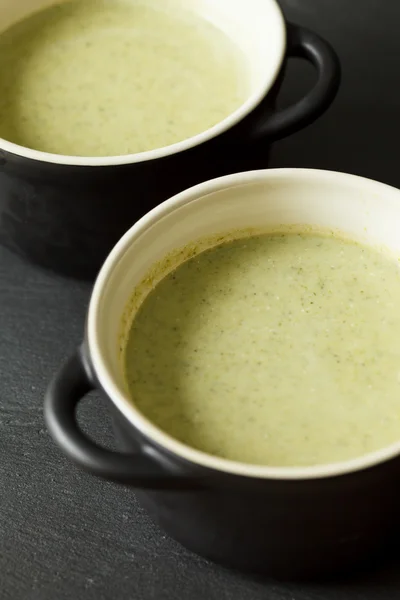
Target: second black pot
(67,216)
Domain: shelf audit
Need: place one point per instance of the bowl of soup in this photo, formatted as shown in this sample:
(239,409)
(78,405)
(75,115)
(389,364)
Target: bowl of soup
(109,108)
(245,334)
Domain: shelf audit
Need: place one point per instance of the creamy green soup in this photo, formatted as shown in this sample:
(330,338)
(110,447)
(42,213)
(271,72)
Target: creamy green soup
(104,78)
(280,350)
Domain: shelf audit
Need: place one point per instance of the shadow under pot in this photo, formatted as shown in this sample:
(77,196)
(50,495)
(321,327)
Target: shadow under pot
(291,522)
(66,212)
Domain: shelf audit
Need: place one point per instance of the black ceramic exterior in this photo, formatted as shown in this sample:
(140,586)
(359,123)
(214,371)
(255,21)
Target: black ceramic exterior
(307,528)
(68,218)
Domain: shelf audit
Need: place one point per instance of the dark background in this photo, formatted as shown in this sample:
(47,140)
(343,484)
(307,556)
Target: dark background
(65,535)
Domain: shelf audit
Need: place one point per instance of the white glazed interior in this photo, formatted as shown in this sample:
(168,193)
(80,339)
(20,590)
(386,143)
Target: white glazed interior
(256,26)
(364,209)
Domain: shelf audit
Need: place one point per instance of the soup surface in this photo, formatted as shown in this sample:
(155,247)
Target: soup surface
(278,349)
(104,78)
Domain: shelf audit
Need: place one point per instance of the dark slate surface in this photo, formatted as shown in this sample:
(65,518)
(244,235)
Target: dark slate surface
(65,535)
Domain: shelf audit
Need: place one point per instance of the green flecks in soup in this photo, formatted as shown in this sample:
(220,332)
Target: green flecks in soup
(103,78)
(277,350)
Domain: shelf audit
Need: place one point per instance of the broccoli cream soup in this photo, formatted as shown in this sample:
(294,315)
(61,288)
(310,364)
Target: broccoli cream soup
(102,78)
(278,349)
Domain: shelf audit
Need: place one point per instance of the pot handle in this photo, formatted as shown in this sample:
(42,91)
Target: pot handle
(302,43)
(64,393)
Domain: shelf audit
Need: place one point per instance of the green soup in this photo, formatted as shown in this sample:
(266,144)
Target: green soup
(103,78)
(279,349)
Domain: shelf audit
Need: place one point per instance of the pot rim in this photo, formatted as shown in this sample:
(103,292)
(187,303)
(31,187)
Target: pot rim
(254,99)
(127,408)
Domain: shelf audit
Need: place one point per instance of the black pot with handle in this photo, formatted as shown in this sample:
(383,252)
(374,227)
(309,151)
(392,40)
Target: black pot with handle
(287,521)
(66,212)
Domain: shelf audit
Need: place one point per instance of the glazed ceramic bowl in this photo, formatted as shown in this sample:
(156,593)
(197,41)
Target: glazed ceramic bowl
(291,522)
(66,212)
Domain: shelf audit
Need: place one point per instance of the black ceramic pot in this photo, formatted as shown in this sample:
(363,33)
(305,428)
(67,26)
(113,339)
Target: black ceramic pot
(67,212)
(289,522)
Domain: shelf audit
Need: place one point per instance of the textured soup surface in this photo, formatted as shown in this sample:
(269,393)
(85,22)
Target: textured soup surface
(278,349)
(102,78)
